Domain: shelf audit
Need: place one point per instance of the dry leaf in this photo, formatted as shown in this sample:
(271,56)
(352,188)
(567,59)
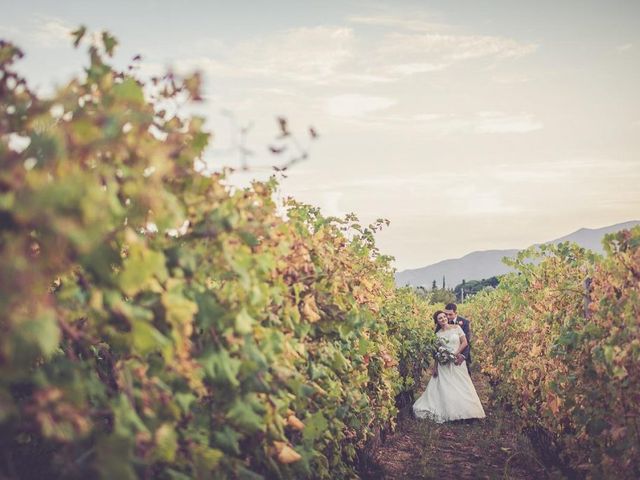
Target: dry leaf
(286,454)
(295,422)
(310,309)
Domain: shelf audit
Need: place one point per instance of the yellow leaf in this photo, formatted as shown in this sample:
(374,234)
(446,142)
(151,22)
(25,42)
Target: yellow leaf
(310,309)
(286,454)
(295,422)
(366,284)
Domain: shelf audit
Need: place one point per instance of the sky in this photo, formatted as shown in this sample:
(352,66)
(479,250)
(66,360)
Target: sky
(469,125)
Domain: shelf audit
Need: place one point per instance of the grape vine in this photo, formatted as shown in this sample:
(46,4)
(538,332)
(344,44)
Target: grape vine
(560,338)
(157,324)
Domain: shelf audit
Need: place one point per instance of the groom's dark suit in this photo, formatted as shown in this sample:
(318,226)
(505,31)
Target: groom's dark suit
(464,324)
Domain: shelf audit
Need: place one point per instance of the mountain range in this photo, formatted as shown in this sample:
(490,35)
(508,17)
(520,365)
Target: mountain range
(488,263)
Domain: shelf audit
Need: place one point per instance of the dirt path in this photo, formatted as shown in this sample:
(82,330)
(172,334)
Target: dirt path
(483,449)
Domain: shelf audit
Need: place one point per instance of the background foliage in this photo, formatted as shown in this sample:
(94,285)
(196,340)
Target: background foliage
(466,289)
(158,324)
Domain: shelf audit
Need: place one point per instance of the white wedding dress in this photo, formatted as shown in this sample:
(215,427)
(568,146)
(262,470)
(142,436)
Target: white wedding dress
(451,395)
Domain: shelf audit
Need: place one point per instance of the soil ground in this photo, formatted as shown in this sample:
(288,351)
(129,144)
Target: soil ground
(492,448)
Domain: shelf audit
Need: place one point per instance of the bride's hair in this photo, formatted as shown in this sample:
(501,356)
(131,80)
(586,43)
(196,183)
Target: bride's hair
(435,320)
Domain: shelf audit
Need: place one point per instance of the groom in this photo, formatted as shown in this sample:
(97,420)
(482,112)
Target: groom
(452,314)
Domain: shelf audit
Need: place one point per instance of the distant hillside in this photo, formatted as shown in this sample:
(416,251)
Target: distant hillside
(485,264)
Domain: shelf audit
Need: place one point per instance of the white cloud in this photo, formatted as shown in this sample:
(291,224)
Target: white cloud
(394,21)
(302,52)
(509,79)
(355,105)
(330,204)
(624,48)
(413,68)
(210,66)
(42,32)
(478,123)
(151,69)
(499,122)
(479,201)
(51,32)
(331,55)
(9,31)
(476,179)
(399,55)
(597,168)
(364,78)
(539,173)
(309,54)
(274,91)
(450,48)
(420,193)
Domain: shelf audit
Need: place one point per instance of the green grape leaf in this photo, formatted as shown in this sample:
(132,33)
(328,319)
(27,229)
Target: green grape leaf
(206,460)
(109,42)
(228,440)
(314,427)
(36,336)
(243,417)
(129,91)
(147,339)
(244,322)
(184,400)
(222,368)
(166,440)
(141,268)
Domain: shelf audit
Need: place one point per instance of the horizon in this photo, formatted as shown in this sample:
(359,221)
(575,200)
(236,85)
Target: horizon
(516,248)
(467,126)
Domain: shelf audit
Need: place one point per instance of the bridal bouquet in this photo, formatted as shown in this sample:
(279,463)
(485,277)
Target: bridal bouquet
(442,354)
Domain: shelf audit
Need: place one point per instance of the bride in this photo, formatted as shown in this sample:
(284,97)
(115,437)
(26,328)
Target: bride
(450,394)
